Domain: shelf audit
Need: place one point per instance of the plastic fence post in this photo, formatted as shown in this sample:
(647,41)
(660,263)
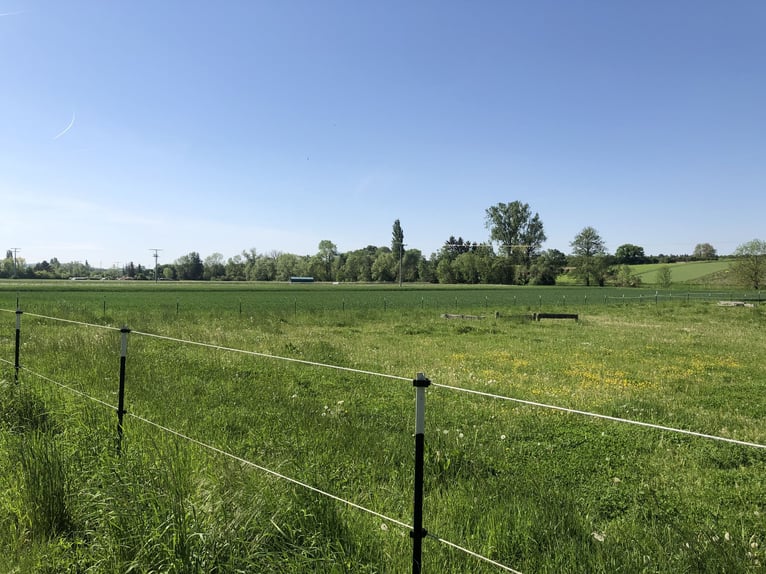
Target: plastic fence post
(121,400)
(418,532)
(16,365)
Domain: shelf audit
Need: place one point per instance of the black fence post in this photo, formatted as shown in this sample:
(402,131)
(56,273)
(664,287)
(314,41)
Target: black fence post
(418,532)
(16,364)
(121,400)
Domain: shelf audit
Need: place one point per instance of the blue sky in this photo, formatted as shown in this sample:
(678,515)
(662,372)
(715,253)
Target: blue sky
(221,126)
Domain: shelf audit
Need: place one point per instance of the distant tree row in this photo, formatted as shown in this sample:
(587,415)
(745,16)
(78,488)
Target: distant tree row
(513,255)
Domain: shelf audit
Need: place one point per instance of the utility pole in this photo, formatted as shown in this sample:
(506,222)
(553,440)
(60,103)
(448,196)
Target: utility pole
(15,250)
(156,255)
(401,254)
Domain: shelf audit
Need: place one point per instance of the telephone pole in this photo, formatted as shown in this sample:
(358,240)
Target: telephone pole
(401,255)
(156,255)
(15,250)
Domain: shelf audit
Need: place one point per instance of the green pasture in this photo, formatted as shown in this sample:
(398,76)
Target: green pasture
(534,488)
(682,272)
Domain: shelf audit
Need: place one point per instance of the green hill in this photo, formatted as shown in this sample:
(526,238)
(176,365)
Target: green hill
(686,272)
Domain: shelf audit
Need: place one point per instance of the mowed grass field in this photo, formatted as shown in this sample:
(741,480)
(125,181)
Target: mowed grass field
(534,488)
(683,272)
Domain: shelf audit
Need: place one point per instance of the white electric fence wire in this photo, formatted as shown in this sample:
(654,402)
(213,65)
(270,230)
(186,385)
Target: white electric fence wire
(219,451)
(276,357)
(63,386)
(450,387)
(230,349)
(474,554)
(27,314)
(600,416)
(269,471)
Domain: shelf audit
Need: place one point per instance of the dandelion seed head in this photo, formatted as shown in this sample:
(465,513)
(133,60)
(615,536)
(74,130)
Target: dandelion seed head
(502,437)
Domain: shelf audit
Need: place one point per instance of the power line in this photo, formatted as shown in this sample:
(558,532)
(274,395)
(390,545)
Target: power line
(156,255)
(15,251)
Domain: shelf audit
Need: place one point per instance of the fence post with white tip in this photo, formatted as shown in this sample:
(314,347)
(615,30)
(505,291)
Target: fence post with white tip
(418,532)
(16,364)
(121,398)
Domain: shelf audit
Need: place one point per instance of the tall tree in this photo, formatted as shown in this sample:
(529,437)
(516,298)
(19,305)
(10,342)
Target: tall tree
(454,247)
(190,266)
(519,234)
(397,239)
(384,266)
(290,265)
(235,269)
(750,263)
(213,267)
(704,251)
(629,254)
(327,252)
(397,246)
(589,253)
(548,267)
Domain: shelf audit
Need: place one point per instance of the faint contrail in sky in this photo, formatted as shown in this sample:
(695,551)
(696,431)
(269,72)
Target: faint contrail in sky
(66,129)
(11,13)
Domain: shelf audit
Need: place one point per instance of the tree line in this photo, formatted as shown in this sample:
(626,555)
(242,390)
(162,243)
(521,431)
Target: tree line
(513,255)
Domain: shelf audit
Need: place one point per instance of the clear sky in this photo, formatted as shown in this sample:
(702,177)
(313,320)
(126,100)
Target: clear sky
(217,126)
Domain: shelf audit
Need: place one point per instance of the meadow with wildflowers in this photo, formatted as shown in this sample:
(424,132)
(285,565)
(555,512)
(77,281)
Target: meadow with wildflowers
(538,489)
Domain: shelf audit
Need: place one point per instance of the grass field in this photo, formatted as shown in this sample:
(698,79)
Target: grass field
(536,489)
(683,272)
